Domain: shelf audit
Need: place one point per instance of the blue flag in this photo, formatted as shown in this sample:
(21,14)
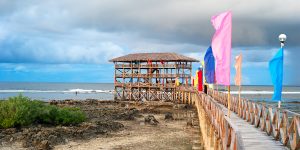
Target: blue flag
(209,62)
(276,70)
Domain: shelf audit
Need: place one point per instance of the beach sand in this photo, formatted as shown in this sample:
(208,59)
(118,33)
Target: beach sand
(112,125)
(136,135)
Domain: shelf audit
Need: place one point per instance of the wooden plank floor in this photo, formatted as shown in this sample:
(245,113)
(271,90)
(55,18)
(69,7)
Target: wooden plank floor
(253,138)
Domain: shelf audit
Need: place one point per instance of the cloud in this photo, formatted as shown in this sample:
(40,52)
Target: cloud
(80,32)
(29,72)
(38,49)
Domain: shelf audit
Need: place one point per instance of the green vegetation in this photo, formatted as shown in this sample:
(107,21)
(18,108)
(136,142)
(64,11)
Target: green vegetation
(22,111)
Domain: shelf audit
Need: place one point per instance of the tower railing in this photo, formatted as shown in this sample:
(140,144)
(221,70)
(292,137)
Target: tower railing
(153,66)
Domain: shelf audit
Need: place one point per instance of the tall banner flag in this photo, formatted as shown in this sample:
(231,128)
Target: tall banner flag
(221,46)
(276,71)
(200,79)
(196,79)
(238,78)
(238,67)
(177,83)
(209,69)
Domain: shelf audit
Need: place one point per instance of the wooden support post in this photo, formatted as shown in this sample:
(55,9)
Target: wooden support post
(190,98)
(228,101)
(179,96)
(186,97)
(212,136)
(115,82)
(183,96)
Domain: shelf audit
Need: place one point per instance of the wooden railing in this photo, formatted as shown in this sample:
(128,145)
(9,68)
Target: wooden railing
(282,124)
(153,66)
(217,130)
(226,135)
(141,84)
(152,75)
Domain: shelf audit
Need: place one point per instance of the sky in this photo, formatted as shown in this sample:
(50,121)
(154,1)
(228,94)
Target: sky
(72,40)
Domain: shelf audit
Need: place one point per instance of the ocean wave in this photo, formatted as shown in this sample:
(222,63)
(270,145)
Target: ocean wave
(86,91)
(262,92)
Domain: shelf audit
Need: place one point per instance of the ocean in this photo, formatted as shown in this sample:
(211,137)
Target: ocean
(57,91)
(290,95)
(104,91)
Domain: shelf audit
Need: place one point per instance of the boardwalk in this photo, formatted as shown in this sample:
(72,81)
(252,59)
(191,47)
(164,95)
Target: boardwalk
(253,138)
(251,125)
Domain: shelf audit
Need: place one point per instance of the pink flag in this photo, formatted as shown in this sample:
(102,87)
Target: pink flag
(238,67)
(221,46)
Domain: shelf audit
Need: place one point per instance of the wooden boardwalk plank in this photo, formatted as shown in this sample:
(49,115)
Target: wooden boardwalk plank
(253,138)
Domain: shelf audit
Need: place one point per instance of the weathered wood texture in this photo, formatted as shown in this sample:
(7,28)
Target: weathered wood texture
(275,124)
(253,138)
(217,130)
(150,80)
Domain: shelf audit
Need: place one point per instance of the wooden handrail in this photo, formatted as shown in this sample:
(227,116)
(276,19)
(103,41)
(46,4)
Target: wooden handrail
(141,84)
(153,65)
(153,75)
(275,122)
(228,134)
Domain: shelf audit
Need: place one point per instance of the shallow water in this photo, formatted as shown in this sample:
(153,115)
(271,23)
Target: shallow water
(104,91)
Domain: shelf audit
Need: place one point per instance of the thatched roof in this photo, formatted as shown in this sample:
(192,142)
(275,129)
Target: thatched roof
(153,57)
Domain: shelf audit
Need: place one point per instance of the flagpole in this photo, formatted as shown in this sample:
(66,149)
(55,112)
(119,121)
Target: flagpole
(282,38)
(228,101)
(239,106)
(281,46)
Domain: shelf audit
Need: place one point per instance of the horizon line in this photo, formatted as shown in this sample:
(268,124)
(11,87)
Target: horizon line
(113,83)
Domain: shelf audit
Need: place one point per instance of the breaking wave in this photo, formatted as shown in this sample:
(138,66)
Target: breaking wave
(57,91)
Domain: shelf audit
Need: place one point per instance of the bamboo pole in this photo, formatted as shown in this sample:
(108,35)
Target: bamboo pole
(228,101)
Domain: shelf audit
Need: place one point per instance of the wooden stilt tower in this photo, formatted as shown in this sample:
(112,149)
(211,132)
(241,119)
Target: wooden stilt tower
(150,76)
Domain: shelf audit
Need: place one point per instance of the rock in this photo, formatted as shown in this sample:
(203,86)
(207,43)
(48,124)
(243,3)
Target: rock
(10,131)
(53,102)
(179,106)
(44,145)
(182,106)
(189,122)
(66,140)
(169,116)
(2,135)
(53,138)
(187,106)
(150,119)
(128,115)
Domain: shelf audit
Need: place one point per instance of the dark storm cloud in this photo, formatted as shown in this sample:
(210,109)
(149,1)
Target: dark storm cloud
(73,31)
